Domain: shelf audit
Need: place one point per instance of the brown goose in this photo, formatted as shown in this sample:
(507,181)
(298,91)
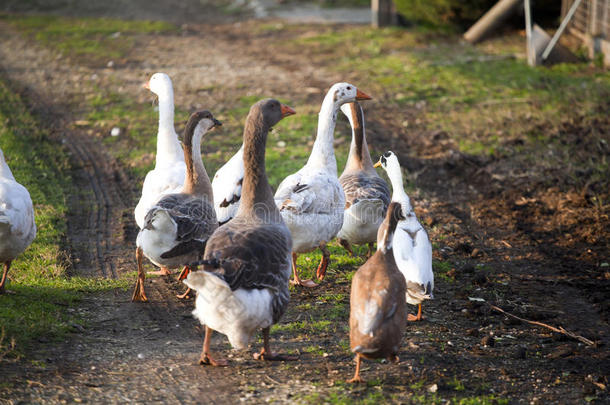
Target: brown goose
(244,283)
(177,227)
(378,308)
(366,194)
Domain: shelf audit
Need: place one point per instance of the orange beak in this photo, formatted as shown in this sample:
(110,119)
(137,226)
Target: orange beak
(286,111)
(146,86)
(360,95)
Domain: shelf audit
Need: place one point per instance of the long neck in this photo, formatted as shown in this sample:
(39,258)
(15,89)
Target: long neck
(395,175)
(359,157)
(5,171)
(256,195)
(385,234)
(168,146)
(197,181)
(323,153)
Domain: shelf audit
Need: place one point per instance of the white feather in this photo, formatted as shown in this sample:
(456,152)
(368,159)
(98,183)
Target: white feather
(227,186)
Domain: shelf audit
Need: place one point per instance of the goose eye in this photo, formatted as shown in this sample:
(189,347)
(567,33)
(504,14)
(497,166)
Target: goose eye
(349,87)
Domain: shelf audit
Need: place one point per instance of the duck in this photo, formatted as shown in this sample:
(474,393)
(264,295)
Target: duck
(378,305)
(170,169)
(243,286)
(311,201)
(17,224)
(412,248)
(367,195)
(178,225)
(227,184)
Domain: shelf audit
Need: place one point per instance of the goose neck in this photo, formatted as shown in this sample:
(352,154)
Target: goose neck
(5,171)
(323,153)
(168,146)
(359,156)
(197,181)
(257,197)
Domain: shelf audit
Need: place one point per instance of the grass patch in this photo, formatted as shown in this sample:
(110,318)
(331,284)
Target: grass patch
(91,40)
(39,277)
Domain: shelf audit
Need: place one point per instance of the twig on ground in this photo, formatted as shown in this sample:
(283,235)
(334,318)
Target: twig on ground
(544,325)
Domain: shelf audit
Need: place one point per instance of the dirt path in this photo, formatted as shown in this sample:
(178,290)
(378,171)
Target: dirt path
(144,353)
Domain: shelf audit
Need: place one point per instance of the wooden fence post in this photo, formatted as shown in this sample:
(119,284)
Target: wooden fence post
(383,13)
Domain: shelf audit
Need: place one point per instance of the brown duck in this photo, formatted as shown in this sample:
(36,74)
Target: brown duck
(378,308)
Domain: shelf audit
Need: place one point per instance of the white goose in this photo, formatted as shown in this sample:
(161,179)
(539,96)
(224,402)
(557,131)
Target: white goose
(366,194)
(178,225)
(243,286)
(17,226)
(412,248)
(168,175)
(311,200)
(227,187)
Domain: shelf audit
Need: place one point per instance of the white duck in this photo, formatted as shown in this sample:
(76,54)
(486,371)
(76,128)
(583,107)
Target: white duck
(412,248)
(168,175)
(243,286)
(17,226)
(311,200)
(366,194)
(178,225)
(227,187)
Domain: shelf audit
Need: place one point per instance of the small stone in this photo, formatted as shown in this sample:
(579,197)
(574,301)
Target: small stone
(110,64)
(281,144)
(475,252)
(140,356)
(433,388)
(116,131)
(488,341)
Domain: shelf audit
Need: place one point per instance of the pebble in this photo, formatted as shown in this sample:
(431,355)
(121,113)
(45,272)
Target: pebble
(116,131)
(140,356)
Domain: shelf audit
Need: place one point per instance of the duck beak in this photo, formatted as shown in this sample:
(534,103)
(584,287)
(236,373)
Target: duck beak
(216,123)
(286,111)
(378,164)
(360,95)
(146,86)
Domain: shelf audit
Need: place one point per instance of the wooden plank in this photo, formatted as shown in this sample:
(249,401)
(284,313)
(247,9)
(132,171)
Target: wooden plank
(383,13)
(492,20)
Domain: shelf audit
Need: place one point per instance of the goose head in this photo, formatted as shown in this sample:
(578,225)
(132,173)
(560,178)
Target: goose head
(160,84)
(198,124)
(388,161)
(270,111)
(342,93)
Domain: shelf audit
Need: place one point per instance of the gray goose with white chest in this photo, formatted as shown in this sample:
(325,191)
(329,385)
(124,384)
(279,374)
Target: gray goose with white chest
(366,194)
(178,226)
(244,283)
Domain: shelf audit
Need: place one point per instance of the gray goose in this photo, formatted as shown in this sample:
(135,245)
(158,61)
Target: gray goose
(366,194)
(244,283)
(178,226)
(378,308)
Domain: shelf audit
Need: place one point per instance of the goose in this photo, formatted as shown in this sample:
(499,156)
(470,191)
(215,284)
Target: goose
(243,286)
(311,200)
(17,225)
(412,248)
(168,175)
(366,194)
(227,184)
(378,306)
(177,227)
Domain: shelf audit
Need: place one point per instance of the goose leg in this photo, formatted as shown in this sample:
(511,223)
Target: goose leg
(205,358)
(164,271)
(138,292)
(297,280)
(346,246)
(7,266)
(321,271)
(415,318)
(357,378)
(267,354)
(184,274)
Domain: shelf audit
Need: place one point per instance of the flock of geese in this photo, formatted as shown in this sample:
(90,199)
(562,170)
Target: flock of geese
(246,238)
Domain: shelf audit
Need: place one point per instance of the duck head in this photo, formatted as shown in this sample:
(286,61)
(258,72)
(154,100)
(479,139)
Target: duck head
(160,84)
(387,160)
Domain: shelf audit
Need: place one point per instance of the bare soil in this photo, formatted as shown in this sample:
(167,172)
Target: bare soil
(533,249)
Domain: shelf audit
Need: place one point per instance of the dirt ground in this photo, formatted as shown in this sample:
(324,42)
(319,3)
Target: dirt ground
(544,265)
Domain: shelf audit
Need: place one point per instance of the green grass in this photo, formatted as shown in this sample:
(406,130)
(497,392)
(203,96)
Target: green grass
(43,289)
(91,40)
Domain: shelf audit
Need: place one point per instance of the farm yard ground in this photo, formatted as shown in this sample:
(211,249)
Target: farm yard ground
(507,166)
